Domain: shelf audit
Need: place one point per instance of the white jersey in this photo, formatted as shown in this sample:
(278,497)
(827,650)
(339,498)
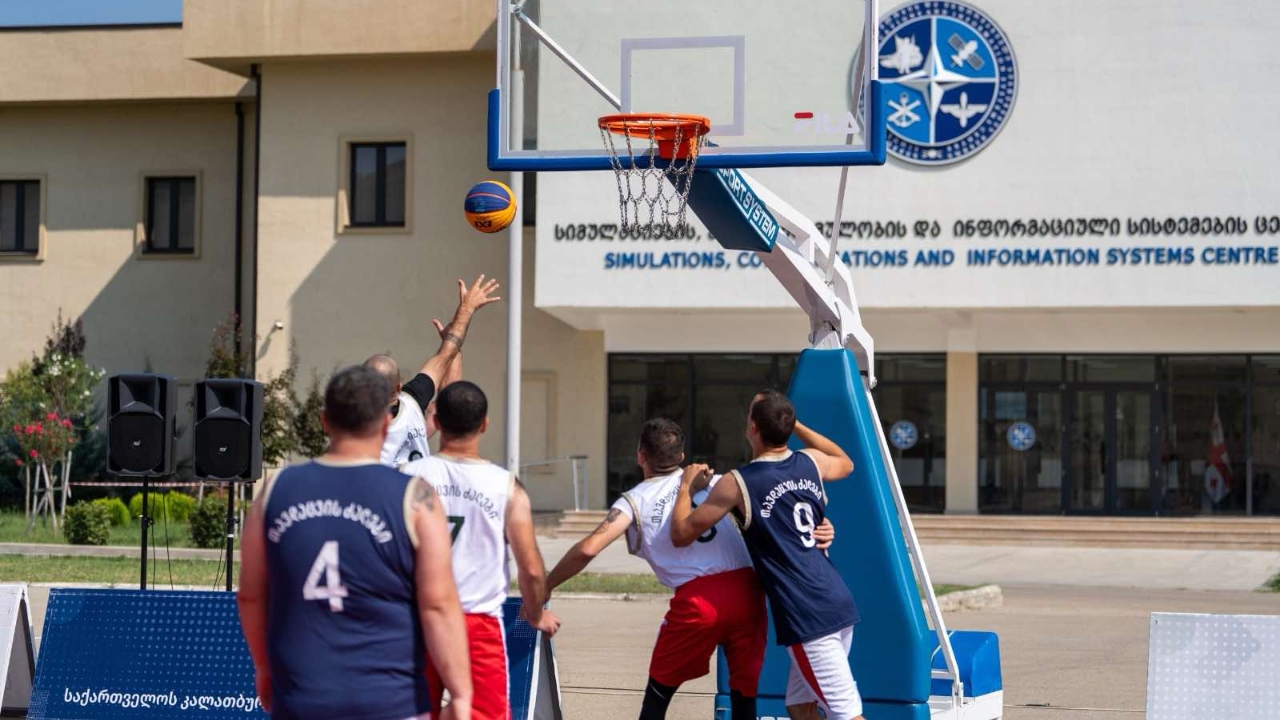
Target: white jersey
(649,504)
(407,435)
(475,495)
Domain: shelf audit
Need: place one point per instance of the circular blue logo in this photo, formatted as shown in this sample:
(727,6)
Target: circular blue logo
(1021,436)
(904,435)
(949,79)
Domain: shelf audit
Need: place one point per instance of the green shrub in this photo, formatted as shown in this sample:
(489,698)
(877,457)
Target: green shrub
(87,524)
(117,511)
(209,522)
(180,506)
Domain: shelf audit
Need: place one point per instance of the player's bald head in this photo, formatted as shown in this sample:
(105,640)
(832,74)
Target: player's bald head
(386,366)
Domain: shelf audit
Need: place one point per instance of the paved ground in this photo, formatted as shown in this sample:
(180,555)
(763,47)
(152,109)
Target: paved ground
(1069,653)
(1086,567)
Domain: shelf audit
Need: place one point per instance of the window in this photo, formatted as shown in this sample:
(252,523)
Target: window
(20,217)
(376,190)
(171,219)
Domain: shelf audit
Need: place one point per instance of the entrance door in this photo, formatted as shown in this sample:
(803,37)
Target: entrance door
(1111,469)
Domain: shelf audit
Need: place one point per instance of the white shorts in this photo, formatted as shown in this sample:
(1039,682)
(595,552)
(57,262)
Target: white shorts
(820,673)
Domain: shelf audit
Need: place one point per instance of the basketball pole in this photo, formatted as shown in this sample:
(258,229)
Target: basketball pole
(515,269)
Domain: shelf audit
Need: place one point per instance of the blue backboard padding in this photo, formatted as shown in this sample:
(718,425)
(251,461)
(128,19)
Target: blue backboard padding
(978,655)
(893,643)
(104,654)
(776,708)
(874,154)
(733,214)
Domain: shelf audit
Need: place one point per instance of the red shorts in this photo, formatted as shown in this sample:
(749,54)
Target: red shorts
(726,609)
(488,651)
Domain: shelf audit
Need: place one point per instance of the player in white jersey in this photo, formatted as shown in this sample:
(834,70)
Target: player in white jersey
(487,510)
(409,430)
(717,601)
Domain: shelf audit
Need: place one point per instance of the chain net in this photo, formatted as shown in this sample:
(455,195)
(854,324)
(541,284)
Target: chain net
(653,193)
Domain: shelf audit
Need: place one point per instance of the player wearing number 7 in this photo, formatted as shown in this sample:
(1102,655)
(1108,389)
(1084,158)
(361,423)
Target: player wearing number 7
(779,499)
(487,510)
(345,581)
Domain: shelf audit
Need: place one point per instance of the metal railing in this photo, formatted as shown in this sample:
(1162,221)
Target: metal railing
(578,469)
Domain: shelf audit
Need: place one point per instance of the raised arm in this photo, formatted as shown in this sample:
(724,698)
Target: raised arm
(615,524)
(252,600)
(832,462)
(470,299)
(443,627)
(688,523)
(531,574)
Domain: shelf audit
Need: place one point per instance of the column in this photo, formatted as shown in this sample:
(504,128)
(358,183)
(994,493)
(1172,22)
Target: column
(962,432)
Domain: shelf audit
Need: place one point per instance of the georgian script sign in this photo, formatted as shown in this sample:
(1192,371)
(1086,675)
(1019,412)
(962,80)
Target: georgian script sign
(154,654)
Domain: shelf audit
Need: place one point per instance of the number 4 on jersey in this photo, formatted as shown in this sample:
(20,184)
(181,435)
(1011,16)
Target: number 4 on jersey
(333,590)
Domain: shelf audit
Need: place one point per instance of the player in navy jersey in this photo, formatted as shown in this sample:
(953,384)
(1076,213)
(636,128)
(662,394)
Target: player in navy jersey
(780,500)
(346,583)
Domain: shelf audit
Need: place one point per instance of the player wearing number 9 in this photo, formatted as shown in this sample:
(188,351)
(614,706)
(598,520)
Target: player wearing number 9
(346,583)
(780,500)
(717,601)
(487,509)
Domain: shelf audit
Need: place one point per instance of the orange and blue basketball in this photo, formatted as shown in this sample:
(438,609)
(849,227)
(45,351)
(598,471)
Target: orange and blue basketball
(490,206)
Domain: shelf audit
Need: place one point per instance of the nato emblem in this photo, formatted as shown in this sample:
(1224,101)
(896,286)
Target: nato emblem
(949,79)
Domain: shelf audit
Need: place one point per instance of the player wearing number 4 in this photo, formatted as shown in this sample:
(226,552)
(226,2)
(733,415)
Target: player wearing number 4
(487,509)
(718,601)
(780,500)
(346,583)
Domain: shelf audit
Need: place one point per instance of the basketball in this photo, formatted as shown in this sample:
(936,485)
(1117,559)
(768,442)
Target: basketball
(490,206)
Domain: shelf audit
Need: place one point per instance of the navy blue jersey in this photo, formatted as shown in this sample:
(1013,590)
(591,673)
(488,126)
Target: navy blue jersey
(785,502)
(343,634)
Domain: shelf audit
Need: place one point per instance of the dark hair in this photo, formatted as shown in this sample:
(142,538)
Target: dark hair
(662,442)
(356,399)
(774,416)
(461,408)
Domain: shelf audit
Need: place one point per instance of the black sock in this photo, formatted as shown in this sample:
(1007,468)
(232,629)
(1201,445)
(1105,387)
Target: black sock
(656,699)
(744,708)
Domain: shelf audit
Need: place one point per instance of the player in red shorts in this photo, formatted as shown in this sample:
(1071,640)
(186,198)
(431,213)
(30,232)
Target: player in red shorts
(488,511)
(717,602)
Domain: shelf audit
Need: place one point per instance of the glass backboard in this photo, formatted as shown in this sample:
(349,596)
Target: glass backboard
(783,83)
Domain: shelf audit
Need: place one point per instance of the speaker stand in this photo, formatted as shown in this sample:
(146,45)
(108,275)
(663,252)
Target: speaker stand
(231,531)
(142,585)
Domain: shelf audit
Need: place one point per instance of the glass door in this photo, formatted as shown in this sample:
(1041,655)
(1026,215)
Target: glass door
(1112,433)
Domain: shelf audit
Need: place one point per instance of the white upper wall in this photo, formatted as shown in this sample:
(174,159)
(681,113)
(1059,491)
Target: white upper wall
(1126,110)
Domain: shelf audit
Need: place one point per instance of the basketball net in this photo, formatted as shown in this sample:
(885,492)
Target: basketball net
(656,172)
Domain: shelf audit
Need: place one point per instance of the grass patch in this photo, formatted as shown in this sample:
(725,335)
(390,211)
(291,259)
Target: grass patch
(30,569)
(941,590)
(13,528)
(1273,585)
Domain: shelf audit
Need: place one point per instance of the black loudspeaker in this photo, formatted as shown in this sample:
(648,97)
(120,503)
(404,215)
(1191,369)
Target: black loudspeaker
(140,427)
(228,422)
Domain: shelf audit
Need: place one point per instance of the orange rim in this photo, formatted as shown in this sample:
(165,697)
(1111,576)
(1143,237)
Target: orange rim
(662,127)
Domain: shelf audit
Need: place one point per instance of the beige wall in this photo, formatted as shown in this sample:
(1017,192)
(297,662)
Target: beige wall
(233,33)
(962,433)
(105,64)
(93,159)
(342,297)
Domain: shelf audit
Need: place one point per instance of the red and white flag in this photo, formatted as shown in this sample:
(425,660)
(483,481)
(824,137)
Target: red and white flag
(1217,473)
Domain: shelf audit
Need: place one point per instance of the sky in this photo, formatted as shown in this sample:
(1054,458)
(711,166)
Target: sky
(43,13)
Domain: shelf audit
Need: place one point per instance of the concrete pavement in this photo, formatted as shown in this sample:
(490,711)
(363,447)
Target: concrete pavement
(1068,653)
(1074,566)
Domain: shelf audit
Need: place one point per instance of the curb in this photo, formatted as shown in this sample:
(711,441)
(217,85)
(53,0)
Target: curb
(979,598)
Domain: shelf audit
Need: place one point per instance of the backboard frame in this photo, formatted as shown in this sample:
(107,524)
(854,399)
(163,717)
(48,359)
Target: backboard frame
(505,100)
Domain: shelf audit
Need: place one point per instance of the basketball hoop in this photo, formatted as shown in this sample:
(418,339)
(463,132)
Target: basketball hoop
(667,149)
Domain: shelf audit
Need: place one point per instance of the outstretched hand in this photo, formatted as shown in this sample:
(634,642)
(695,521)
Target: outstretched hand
(478,295)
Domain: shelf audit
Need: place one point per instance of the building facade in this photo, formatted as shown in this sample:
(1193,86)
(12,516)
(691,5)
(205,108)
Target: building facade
(1081,316)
